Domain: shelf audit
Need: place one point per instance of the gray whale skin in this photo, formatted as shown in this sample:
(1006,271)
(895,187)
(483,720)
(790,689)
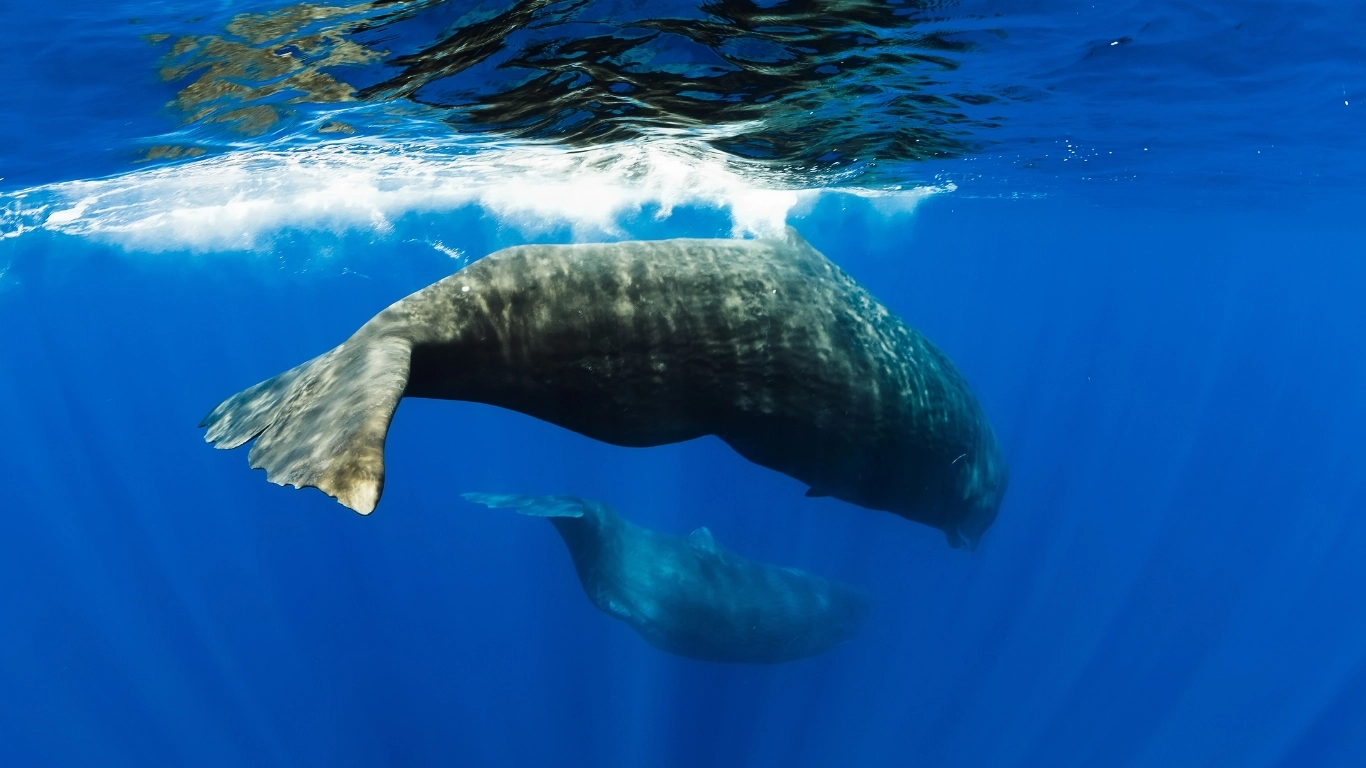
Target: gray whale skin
(763,343)
(689,596)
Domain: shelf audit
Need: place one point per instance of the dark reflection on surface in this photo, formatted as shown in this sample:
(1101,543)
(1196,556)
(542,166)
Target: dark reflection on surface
(801,83)
(265,63)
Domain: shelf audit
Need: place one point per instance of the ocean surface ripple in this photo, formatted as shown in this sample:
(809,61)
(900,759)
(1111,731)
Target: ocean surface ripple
(829,86)
(215,125)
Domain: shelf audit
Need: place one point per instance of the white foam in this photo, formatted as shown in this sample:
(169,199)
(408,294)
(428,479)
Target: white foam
(239,200)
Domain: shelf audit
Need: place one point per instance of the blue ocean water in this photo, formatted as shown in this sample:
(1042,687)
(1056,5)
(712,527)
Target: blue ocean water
(1137,233)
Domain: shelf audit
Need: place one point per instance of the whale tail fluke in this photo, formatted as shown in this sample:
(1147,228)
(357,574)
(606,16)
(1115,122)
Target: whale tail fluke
(321,424)
(535,506)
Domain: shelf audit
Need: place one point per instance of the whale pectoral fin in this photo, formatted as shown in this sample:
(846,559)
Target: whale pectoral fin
(702,540)
(535,506)
(812,493)
(322,424)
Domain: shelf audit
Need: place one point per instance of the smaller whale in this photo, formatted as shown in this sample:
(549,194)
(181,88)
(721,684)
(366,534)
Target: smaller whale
(689,596)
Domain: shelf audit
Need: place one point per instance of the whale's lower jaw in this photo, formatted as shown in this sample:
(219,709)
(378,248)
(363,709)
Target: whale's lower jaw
(717,634)
(754,651)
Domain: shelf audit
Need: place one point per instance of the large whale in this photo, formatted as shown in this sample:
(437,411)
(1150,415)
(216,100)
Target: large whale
(689,596)
(763,343)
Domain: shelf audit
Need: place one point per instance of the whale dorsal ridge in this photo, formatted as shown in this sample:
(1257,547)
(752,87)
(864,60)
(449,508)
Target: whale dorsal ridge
(791,236)
(701,539)
(535,506)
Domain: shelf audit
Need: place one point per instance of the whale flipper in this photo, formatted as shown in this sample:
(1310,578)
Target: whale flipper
(323,423)
(535,506)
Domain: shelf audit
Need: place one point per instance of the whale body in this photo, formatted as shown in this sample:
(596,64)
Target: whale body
(763,343)
(689,596)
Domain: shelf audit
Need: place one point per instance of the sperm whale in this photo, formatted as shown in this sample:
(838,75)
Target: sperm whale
(690,596)
(763,343)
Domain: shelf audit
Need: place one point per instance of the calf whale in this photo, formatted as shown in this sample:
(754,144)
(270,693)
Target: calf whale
(689,596)
(763,343)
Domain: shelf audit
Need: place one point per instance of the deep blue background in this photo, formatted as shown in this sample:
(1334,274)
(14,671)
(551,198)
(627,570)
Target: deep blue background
(1176,577)
(1154,278)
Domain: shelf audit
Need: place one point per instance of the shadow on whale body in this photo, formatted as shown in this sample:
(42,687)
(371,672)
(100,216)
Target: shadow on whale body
(689,596)
(763,343)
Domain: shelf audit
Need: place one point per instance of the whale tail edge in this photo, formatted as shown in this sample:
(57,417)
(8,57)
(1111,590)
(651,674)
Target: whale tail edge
(321,424)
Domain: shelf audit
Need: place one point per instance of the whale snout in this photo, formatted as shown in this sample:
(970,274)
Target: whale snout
(857,605)
(846,610)
(983,486)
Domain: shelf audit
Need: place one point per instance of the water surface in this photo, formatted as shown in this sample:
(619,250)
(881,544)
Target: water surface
(1134,227)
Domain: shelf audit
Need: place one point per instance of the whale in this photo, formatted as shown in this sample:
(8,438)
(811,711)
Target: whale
(689,596)
(763,343)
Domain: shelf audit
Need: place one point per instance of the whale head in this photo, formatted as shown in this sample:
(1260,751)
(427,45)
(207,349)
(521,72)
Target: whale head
(850,609)
(981,480)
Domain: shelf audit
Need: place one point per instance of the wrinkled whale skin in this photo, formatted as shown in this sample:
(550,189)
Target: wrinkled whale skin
(763,343)
(691,597)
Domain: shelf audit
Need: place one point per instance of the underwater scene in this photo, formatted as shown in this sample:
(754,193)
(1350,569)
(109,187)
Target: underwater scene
(896,383)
